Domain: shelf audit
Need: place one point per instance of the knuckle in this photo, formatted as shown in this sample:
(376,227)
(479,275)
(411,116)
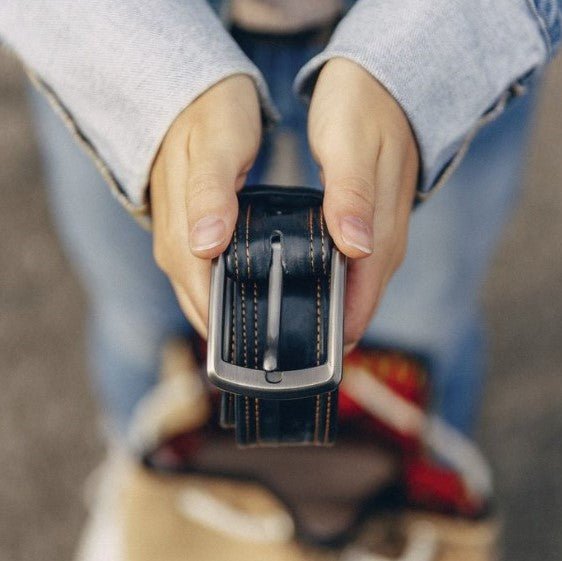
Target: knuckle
(355,191)
(205,189)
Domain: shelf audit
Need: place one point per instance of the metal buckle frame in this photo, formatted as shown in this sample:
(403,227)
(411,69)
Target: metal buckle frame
(270,383)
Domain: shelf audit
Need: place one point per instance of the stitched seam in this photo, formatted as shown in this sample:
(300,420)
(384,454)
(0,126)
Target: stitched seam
(328,412)
(255,296)
(453,165)
(318,327)
(247,416)
(244,332)
(235,243)
(321,218)
(248,240)
(311,231)
(257,416)
(233,346)
(255,325)
(140,211)
(249,270)
(317,408)
(318,320)
(317,421)
(243,298)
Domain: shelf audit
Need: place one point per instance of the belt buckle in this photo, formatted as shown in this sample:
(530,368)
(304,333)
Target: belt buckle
(270,382)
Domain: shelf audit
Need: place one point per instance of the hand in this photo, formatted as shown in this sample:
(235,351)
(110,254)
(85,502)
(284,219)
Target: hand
(204,159)
(368,158)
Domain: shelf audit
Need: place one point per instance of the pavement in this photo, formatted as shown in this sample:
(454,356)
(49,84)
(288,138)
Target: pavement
(48,432)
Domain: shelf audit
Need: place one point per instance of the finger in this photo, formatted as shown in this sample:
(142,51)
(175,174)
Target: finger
(211,202)
(349,203)
(368,278)
(191,310)
(363,293)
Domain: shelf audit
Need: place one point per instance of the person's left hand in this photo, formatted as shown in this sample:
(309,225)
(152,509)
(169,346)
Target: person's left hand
(368,159)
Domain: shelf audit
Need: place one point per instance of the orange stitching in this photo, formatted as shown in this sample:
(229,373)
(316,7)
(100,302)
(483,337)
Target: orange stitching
(321,218)
(235,242)
(317,421)
(247,407)
(233,345)
(255,325)
(248,265)
(244,333)
(318,325)
(249,270)
(257,415)
(248,239)
(318,320)
(328,412)
(311,230)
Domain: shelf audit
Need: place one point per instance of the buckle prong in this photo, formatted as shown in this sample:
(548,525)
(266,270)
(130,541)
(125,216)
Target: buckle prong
(274,297)
(266,383)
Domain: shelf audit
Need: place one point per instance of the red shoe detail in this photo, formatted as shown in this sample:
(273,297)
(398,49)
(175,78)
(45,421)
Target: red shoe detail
(429,485)
(438,488)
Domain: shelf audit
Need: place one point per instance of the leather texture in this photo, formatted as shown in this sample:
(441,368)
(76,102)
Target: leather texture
(293,216)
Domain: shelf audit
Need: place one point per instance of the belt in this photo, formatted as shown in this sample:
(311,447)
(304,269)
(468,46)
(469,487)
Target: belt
(276,321)
(317,35)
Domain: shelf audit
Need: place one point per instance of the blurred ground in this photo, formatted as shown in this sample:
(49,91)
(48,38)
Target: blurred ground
(48,440)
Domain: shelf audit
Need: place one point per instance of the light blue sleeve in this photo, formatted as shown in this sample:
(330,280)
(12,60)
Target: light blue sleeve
(119,72)
(453,65)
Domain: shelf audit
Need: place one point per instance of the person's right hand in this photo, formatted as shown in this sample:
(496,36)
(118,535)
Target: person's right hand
(202,163)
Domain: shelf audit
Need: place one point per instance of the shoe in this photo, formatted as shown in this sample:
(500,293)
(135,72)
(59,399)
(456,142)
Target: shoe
(398,486)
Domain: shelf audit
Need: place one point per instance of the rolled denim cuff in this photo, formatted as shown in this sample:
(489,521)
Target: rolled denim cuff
(119,73)
(452,65)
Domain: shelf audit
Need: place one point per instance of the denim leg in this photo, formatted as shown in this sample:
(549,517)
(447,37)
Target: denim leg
(432,304)
(279,65)
(132,308)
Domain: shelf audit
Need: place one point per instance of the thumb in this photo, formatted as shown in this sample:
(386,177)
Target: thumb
(212,205)
(349,207)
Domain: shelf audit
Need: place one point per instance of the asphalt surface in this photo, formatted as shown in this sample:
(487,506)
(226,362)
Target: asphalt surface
(48,436)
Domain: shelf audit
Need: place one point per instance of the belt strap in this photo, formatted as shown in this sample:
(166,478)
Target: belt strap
(287,225)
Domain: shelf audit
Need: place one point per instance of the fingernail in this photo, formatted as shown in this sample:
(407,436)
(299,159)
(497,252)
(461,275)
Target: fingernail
(357,234)
(207,233)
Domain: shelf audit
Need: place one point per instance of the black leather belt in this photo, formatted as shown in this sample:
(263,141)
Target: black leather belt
(316,35)
(276,321)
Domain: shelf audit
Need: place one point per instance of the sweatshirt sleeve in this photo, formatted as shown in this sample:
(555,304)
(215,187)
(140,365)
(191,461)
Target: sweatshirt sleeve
(119,72)
(453,65)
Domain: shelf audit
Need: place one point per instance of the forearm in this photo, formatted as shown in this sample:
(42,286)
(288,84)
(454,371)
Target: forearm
(451,64)
(121,72)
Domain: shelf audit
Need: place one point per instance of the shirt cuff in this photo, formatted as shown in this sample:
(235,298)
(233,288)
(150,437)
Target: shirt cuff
(452,65)
(119,73)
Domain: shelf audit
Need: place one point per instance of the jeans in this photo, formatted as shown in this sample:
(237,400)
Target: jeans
(431,305)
